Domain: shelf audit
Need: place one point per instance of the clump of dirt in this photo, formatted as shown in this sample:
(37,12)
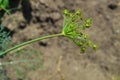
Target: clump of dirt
(37,18)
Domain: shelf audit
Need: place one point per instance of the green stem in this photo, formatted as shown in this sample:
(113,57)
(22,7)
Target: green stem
(7,11)
(16,62)
(29,42)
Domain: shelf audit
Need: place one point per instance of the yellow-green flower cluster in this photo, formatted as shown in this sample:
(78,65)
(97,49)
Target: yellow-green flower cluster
(74,26)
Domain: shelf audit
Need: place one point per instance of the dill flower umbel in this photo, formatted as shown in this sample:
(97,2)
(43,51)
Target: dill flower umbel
(73,28)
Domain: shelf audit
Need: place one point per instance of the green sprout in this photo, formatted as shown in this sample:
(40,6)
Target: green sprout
(4,4)
(73,28)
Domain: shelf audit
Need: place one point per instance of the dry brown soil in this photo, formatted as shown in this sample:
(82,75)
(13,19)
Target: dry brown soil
(62,59)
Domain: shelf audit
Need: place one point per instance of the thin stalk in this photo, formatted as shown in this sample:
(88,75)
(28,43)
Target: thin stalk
(29,42)
(16,62)
(7,11)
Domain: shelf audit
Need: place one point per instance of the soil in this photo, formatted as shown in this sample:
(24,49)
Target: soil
(37,18)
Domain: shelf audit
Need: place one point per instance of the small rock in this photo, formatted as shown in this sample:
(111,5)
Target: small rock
(49,3)
(43,16)
(59,3)
(22,25)
(55,15)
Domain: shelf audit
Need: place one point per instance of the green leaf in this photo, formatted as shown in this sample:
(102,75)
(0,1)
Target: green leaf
(4,4)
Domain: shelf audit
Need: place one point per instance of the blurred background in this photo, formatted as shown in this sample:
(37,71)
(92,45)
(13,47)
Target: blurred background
(59,58)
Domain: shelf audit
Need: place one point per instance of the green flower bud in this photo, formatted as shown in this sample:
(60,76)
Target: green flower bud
(89,43)
(78,12)
(88,23)
(83,49)
(80,43)
(95,47)
(66,12)
(85,36)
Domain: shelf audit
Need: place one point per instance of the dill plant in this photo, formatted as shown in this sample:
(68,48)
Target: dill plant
(4,38)
(73,28)
(4,43)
